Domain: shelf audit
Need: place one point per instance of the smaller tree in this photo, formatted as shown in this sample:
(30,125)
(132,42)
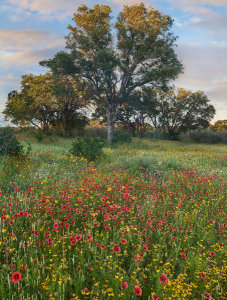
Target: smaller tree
(177,110)
(220,126)
(46,100)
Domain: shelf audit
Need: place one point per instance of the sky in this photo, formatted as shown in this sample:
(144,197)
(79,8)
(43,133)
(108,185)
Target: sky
(33,30)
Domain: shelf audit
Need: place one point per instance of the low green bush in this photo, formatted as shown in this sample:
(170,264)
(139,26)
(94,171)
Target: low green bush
(8,142)
(90,148)
(95,132)
(202,136)
(122,137)
(39,135)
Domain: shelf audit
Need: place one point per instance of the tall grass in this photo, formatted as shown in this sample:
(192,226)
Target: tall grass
(146,221)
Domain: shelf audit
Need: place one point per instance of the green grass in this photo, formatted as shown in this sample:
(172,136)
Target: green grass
(146,210)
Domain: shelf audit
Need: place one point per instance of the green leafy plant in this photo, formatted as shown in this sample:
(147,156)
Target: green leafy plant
(202,136)
(122,137)
(39,135)
(90,148)
(8,142)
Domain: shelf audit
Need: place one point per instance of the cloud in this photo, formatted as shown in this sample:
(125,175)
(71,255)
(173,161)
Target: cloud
(205,69)
(20,48)
(204,2)
(46,9)
(7,79)
(26,39)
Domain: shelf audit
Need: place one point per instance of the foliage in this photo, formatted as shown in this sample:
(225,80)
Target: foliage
(8,142)
(34,104)
(47,100)
(39,135)
(90,148)
(203,136)
(122,137)
(220,126)
(144,54)
(178,110)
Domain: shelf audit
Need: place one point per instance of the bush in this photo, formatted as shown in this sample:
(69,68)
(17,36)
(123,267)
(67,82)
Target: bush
(39,135)
(8,142)
(202,136)
(90,148)
(122,137)
(95,132)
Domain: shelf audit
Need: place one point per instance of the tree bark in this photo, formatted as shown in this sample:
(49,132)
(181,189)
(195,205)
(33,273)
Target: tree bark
(64,129)
(110,127)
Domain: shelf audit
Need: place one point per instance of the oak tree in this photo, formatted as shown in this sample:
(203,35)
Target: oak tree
(177,110)
(114,60)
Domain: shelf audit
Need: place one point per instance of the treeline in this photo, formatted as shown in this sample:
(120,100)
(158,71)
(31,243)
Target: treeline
(117,72)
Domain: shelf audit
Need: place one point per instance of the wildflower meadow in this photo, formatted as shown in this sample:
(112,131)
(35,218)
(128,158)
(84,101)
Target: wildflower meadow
(145,221)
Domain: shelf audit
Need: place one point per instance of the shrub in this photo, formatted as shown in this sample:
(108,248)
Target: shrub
(95,132)
(202,136)
(8,142)
(39,135)
(90,148)
(122,137)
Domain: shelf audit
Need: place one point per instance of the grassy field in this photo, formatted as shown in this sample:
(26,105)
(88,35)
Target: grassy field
(146,221)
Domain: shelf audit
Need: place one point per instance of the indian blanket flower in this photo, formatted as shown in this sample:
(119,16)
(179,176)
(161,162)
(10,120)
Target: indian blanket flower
(78,237)
(137,291)
(163,278)
(208,296)
(123,241)
(16,277)
(183,255)
(116,248)
(212,253)
(124,285)
(203,275)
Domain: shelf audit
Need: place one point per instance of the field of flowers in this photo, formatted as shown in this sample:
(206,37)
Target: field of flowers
(148,221)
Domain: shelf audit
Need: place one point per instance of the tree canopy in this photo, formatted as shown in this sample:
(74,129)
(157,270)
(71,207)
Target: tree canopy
(142,55)
(46,100)
(178,109)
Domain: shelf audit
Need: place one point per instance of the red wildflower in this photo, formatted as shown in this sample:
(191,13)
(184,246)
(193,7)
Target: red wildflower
(203,275)
(16,277)
(116,248)
(124,285)
(73,242)
(212,253)
(154,297)
(123,241)
(149,222)
(163,279)
(78,237)
(208,296)
(138,291)
(56,225)
(183,255)
(107,228)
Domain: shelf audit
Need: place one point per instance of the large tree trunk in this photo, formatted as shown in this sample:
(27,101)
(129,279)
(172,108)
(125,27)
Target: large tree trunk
(64,126)
(110,126)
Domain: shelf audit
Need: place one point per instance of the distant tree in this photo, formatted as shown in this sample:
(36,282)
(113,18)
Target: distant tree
(220,126)
(17,109)
(46,100)
(177,110)
(34,104)
(143,55)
